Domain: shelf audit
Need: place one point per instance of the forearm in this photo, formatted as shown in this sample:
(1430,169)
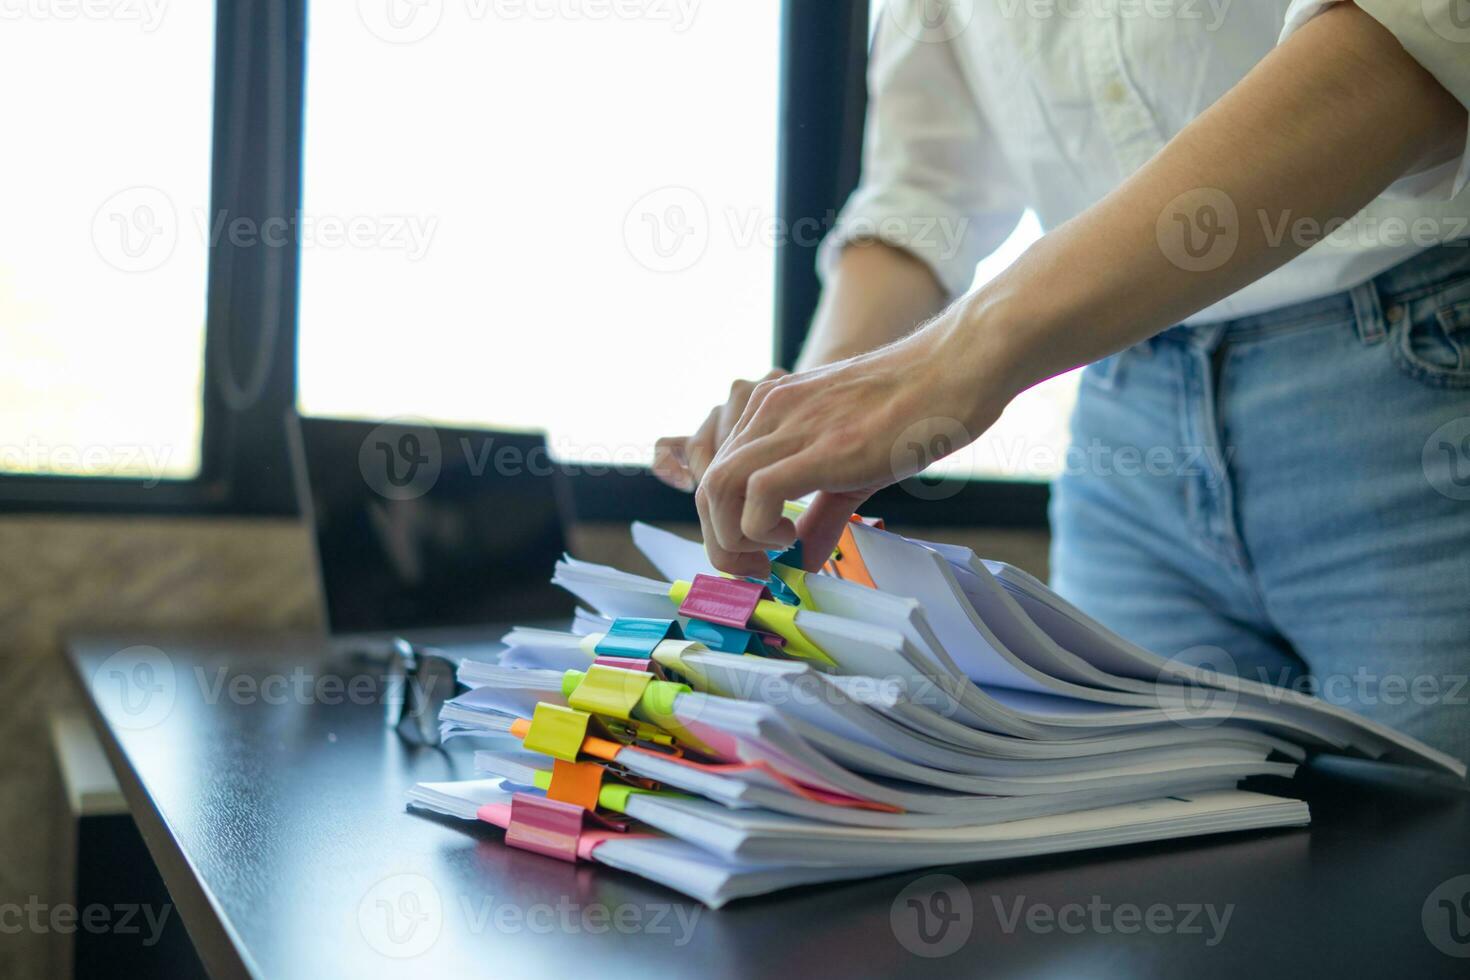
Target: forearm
(1315,132)
(876,295)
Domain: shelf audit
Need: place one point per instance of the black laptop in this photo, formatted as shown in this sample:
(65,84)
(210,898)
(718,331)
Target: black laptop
(444,536)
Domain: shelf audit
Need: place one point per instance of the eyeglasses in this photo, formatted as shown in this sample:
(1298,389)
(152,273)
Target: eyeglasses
(429,679)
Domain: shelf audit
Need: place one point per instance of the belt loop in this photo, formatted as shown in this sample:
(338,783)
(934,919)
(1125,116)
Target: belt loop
(1368,312)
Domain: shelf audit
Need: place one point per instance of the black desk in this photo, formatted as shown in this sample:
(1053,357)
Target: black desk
(271,796)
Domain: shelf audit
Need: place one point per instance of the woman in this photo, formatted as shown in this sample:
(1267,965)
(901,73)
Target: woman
(1305,402)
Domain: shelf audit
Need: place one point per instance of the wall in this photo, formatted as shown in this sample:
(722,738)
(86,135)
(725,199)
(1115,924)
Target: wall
(64,574)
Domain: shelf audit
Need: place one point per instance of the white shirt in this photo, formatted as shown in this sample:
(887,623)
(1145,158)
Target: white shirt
(980,109)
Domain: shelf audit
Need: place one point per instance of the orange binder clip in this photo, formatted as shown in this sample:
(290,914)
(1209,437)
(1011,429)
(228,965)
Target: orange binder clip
(847,562)
(576,782)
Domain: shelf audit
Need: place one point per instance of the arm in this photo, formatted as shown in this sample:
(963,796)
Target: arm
(1104,281)
(876,295)
(935,199)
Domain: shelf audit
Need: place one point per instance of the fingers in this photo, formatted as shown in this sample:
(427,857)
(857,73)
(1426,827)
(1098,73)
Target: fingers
(671,462)
(727,486)
(681,461)
(766,492)
(750,562)
(701,448)
(821,526)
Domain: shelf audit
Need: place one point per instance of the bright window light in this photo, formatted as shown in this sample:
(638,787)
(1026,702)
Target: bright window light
(564,214)
(540,215)
(103,242)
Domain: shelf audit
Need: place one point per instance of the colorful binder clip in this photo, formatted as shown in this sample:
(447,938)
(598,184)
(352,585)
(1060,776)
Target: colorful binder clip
(726,601)
(576,782)
(626,663)
(545,826)
(725,639)
(557,731)
(634,636)
(791,556)
(847,562)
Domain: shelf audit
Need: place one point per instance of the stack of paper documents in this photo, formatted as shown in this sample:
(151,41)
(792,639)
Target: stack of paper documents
(910,705)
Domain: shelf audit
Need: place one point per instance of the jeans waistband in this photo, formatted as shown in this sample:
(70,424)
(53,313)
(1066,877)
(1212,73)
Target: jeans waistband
(1423,274)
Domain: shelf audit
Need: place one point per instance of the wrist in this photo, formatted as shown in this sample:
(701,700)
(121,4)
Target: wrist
(984,356)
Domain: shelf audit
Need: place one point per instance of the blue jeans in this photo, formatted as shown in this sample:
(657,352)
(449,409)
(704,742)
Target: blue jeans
(1290,493)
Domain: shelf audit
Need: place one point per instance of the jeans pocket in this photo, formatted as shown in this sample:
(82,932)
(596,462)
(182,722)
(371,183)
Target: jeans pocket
(1434,344)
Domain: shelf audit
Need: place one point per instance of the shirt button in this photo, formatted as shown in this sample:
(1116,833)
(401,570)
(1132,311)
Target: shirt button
(1114,91)
(1394,313)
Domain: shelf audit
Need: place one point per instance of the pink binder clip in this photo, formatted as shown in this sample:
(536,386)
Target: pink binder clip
(627,663)
(727,601)
(545,826)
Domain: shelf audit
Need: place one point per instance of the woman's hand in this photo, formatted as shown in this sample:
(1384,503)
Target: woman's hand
(843,431)
(680,461)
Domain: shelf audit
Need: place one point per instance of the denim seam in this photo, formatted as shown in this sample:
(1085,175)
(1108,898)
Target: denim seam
(1433,375)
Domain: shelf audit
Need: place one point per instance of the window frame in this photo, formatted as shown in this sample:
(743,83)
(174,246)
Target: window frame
(245,460)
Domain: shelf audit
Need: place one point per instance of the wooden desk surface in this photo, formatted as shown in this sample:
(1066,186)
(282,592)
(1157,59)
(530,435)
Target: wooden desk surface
(271,795)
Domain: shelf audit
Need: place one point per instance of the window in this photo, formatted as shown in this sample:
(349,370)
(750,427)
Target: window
(539,215)
(1029,441)
(103,246)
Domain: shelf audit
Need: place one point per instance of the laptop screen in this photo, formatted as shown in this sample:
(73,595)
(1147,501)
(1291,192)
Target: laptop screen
(423,527)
